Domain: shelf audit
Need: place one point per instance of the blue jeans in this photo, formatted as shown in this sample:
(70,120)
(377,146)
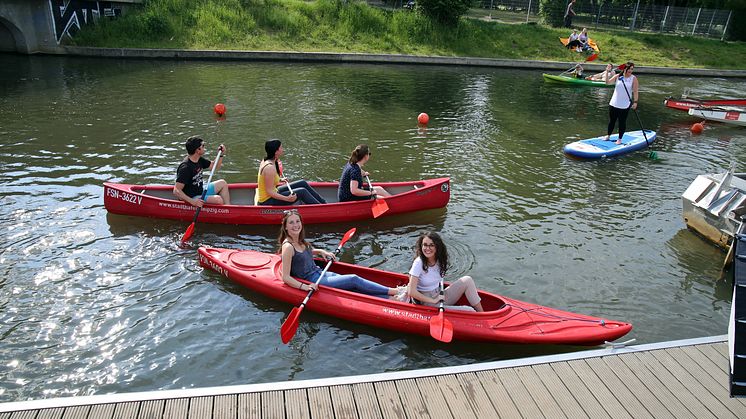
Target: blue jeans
(306,194)
(350,282)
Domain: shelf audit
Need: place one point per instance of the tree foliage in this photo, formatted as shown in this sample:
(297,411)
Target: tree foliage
(447,12)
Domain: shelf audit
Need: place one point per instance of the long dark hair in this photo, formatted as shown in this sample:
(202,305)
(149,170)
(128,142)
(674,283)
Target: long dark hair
(271,147)
(359,153)
(284,231)
(441,253)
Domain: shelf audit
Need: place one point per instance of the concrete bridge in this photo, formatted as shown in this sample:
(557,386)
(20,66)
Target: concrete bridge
(32,26)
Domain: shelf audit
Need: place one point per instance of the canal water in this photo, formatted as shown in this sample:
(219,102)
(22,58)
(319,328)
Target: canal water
(95,303)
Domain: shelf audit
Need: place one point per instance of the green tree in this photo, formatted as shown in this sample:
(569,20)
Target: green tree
(552,12)
(447,12)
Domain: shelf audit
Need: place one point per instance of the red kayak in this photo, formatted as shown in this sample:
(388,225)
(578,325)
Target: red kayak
(684,104)
(158,201)
(504,320)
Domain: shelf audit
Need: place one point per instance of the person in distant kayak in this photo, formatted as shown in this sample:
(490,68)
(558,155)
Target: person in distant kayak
(270,189)
(297,262)
(351,183)
(600,76)
(577,72)
(189,185)
(624,97)
(430,266)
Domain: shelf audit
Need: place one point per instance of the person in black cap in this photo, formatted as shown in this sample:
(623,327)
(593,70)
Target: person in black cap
(269,190)
(189,187)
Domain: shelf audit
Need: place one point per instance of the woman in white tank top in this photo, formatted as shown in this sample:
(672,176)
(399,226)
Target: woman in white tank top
(625,94)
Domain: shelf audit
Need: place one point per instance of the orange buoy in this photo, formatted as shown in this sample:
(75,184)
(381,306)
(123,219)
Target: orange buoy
(219,109)
(423,118)
(697,128)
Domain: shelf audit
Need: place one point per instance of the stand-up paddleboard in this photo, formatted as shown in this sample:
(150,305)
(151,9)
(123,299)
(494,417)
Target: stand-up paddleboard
(599,147)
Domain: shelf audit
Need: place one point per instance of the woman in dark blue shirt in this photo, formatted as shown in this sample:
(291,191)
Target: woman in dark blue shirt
(351,183)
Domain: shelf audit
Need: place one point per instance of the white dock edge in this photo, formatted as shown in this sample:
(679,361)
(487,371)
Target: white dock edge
(355,379)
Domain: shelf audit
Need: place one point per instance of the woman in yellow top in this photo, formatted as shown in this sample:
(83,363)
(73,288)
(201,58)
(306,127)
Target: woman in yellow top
(269,191)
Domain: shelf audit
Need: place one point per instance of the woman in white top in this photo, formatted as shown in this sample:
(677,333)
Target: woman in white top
(428,270)
(622,99)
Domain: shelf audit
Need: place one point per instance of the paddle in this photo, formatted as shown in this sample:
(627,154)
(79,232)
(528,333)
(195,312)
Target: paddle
(440,327)
(635,111)
(379,204)
(282,171)
(288,328)
(190,229)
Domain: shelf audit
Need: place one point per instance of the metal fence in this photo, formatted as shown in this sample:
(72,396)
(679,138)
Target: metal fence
(652,18)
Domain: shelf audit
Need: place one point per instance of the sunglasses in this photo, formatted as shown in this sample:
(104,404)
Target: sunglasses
(292,211)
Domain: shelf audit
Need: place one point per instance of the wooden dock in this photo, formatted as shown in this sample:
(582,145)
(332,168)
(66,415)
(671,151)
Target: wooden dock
(680,379)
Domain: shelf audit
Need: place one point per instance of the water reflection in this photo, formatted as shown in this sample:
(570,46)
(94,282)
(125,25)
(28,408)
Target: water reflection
(96,303)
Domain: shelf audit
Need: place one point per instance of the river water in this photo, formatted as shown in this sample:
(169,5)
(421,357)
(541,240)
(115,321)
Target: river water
(95,303)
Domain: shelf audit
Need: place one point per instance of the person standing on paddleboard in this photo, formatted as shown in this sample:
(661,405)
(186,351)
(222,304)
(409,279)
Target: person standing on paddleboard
(621,102)
(189,187)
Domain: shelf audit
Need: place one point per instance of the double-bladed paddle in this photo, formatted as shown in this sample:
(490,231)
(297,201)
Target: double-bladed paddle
(190,229)
(288,328)
(379,204)
(440,327)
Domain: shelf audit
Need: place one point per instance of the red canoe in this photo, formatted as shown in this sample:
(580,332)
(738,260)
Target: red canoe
(505,320)
(685,104)
(157,201)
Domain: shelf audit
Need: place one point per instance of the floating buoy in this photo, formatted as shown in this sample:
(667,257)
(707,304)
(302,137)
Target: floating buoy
(219,109)
(697,127)
(423,118)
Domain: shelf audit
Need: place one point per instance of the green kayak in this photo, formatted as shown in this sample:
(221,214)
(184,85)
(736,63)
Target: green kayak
(573,80)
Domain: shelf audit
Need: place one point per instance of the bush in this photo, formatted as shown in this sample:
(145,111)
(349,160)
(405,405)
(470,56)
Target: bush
(552,12)
(447,12)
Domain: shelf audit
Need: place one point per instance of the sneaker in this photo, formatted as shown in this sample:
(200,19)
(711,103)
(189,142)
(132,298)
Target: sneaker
(402,294)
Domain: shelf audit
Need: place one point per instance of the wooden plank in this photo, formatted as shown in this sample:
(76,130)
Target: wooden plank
(702,372)
(55,413)
(655,386)
(320,401)
(225,407)
(637,388)
(126,410)
(101,411)
(365,400)
(497,394)
(388,400)
(151,409)
(343,402)
(414,405)
(176,408)
(455,396)
(697,389)
(249,405)
(673,384)
(720,348)
(618,388)
(24,414)
(569,405)
(296,404)
(77,412)
(588,401)
(200,407)
(433,398)
(273,405)
(542,396)
(599,390)
(476,396)
(518,392)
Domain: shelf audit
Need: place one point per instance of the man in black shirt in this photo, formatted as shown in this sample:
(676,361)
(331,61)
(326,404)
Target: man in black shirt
(189,185)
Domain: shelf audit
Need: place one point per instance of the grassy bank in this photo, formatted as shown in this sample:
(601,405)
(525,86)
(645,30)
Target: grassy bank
(336,26)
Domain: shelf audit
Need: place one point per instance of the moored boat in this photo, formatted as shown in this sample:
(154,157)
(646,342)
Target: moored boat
(158,201)
(504,320)
(574,81)
(684,104)
(713,205)
(726,114)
